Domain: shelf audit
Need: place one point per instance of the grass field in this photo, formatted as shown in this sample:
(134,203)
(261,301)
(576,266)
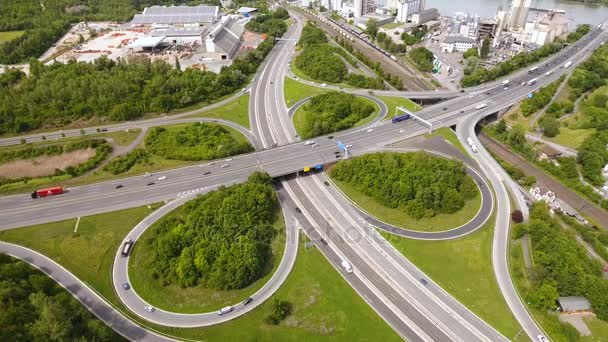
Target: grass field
(572,138)
(391,26)
(7,36)
(121,138)
(463,267)
(399,218)
(237,111)
(393,102)
(299,117)
(325,306)
(295,91)
(89,253)
(195,299)
(449,135)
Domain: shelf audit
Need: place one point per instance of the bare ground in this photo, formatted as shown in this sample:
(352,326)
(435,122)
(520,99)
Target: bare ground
(44,166)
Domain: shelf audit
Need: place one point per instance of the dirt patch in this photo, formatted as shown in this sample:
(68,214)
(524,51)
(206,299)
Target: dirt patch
(44,166)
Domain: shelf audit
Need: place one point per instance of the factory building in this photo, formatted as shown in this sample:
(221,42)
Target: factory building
(224,40)
(405,8)
(519,14)
(177,16)
(456,43)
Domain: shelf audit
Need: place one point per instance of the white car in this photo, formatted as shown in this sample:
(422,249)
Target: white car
(147,174)
(162,177)
(224,310)
(349,146)
(225,166)
(309,142)
(401,131)
(541,338)
(323,84)
(229,159)
(149,308)
(369,130)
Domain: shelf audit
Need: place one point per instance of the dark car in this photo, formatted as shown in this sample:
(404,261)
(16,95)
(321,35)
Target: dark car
(338,156)
(445,108)
(247,300)
(207,173)
(126,286)
(103,130)
(151,183)
(330,137)
(323,241)
(462,90)
(326,183)
(118,186)
(423,281)
(462,112)
(298,210)
(337,152)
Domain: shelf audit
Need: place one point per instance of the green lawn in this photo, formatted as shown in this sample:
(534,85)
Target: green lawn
(122,138)
(393,102)
(295,91)
(9,35)
(237,111)
(391,26)
(89,253)
(449,135)
(195,299)
(399,218)
(325,306)
(463,267)
(599,330)
(572,138)
(300,116)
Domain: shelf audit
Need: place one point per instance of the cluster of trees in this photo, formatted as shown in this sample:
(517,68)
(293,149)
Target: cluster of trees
(199,141)
(415,36)
(59,94)
(333,111)
(280,310)
(540,99)
(387,43)
(34,308)
(423,58)
(102,150)
(516,173)
(224,240)
(272,24)
(593,155)
(594,236)
(591,74)
(417,183)
(321,61)
(518,61)
(561,266)
(393,80)
(44,23)
(125,163)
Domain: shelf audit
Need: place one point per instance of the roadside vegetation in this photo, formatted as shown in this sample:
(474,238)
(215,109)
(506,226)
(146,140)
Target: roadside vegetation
(402,181)
(34,308)
(236,111)
(272,23)
(296,91)
(393,102)
(560,267)
(422,58)
(322,61)
(60,94)
(323,304)
(332,112)
(521,60)
(463,268)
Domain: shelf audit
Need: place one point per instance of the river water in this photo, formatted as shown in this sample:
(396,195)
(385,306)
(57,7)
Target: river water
(578,12)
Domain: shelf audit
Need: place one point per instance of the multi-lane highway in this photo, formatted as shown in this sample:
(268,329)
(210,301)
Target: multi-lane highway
(418,310)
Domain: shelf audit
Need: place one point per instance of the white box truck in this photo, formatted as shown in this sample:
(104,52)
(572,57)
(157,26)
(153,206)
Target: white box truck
(568,64)
(470,141)
(347,267)
(481,106)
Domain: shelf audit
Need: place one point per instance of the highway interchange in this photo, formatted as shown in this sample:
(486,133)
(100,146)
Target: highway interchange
(382,276)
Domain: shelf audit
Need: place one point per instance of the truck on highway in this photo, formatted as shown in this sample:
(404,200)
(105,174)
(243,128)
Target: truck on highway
(568,64)
(400,118)
(347,267)
(393,57)
(56,190)
(532,70)
(483,105)
(505,82)
(532,81)
(548,73)
(469,141)
(474,148)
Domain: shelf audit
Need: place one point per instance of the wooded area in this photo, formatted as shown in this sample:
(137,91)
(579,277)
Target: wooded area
(199,141)
(34,308)
(224,241)
(332,112)
(417,183)
(561,266)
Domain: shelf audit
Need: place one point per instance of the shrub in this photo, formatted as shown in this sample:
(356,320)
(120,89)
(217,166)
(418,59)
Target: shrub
(280,310)
(517,216)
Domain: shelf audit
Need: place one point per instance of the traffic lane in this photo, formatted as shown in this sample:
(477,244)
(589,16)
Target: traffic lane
(83,294)
(405,280)
(362,268)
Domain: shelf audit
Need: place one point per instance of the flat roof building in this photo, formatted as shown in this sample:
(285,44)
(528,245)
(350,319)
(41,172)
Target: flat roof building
(574,304)
(177,15)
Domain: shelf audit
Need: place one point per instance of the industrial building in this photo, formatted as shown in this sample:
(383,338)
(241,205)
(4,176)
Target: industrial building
(405,8)
(424,16)
(548,27)
(518,14)
(223,41)
(185,16)
(457,43)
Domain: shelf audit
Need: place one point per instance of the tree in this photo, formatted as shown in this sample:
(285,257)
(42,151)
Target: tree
(550,127)
(423,58)
(372,28)
(472,52)
(22,141)
(470,65)
(280,310)
(501,127)
(82,132)
(517,216)
(543,297)
(485,48)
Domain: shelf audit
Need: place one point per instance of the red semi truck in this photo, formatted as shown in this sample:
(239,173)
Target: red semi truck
(56,190)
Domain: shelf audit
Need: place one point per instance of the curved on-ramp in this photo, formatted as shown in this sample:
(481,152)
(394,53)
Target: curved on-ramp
(481,217)
(130,298)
